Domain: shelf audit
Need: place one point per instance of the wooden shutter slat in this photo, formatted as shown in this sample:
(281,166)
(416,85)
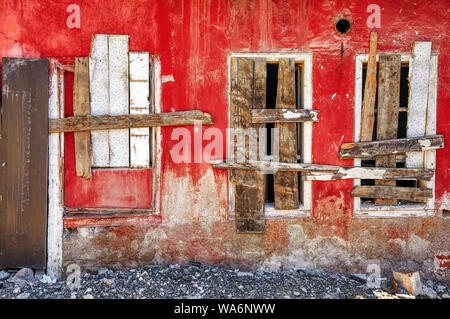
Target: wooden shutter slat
(387,113)
(286,183)
(249,185)
(81,107)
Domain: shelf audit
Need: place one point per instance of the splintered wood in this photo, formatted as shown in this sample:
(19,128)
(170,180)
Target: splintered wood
(81,107)
(247,92)
(387,113)
(286,183)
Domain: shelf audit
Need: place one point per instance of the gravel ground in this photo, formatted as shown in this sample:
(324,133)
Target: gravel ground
(201,281)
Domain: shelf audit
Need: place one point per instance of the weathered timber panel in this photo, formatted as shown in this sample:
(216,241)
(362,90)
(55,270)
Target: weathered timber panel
(387,113)
(391,146)
(370,89)
(249,185)
(407,193)
(81,107)
(23,213)
(284,115)
(286,183)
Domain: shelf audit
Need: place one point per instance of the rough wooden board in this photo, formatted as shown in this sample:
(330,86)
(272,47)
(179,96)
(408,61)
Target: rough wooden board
(284,115)
(139,104)
(391,146)
(99,93)
(418,98)
(81,107)
(331,172)
(286,183)
(387,113)
(406,193)
(249,203)
(119,140)
(368,105)
(84,123)
(23,211)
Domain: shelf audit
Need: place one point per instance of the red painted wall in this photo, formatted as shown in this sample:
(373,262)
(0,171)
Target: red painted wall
(193,38)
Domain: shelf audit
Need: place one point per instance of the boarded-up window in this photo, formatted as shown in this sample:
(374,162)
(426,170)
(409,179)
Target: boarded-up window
(263,89)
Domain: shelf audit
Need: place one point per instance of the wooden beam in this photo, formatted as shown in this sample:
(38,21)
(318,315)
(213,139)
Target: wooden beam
(387,115)
(247,91)
(109,122)
(370,89)
(81,107)
(284,115)
(286,183)
(115,219)
(331,172)
(391,146)
(406,193)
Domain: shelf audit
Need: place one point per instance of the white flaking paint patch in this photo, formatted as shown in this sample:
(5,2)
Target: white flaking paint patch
(167,78)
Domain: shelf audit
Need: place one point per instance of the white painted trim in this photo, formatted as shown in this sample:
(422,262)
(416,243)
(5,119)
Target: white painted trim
(416,210)
(306,60)
(156,145)
(55,175)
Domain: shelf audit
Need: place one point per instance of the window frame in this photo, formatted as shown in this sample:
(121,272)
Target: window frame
(402,210)
(305,59)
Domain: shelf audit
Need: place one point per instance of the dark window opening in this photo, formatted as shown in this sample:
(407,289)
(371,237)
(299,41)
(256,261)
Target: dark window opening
(271,98)
(401,130)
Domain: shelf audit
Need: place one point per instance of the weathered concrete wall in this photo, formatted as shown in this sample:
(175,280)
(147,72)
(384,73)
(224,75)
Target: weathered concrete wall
(192,39)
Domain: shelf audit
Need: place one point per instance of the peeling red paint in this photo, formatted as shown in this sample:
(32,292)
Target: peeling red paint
(193,39)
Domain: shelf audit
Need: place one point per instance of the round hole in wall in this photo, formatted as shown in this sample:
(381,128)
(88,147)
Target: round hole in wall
(342,26)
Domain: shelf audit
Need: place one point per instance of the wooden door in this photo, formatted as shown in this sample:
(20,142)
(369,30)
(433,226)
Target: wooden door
(24,155)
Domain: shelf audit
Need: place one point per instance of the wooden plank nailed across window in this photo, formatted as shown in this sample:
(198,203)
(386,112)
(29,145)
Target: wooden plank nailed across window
(370,89)
(81,107)
(110,122)
(391,146)
(387,115)
(247,91)
(284,115)
(331,172)
(406,193)
(286,183)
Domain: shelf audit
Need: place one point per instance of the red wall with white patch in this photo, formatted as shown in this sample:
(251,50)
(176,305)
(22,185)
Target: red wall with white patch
(193,39)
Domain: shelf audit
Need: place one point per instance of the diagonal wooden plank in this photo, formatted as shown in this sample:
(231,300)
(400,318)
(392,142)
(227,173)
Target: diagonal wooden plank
(387,113)
(370,89)
(249,191)
(286,183)
(81,107)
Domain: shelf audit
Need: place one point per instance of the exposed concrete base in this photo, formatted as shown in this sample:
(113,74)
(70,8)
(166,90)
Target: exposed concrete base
(392,244)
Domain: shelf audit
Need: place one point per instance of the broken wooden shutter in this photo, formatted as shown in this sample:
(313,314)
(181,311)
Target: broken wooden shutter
(286,183)
(248,85)
(23,213)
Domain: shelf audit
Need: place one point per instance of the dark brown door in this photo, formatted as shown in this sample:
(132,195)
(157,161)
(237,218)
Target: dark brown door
(24,149)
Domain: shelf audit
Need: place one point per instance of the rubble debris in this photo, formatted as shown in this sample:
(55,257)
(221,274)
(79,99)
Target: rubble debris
(410,281)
